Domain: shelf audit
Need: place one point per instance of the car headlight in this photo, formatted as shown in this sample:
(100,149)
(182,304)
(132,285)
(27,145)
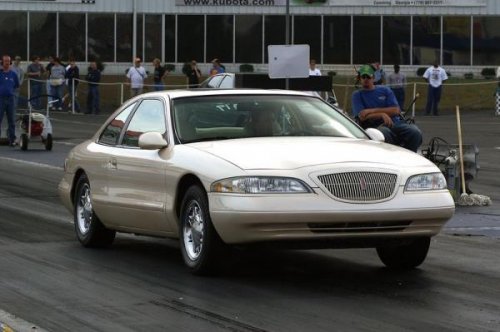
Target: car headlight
(430,181)
(260,185)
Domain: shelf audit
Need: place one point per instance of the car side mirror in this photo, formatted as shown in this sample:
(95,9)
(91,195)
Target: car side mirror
(375,134)
(152,140)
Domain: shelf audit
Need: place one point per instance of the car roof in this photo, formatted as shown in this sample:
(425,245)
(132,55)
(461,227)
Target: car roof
(173,94)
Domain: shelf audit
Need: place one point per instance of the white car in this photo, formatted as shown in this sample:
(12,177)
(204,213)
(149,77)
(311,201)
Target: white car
(217,168)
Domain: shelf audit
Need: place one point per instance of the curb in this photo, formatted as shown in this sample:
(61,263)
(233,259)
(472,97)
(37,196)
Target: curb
(12,323)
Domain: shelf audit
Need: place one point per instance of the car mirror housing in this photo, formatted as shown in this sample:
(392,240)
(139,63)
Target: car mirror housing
(152,140)
(375,134)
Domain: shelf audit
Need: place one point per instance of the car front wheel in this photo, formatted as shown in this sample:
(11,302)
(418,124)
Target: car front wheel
(89,229)
(406,256)
(201,246)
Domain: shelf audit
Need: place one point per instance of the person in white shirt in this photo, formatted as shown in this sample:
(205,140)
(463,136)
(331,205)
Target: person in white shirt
(434,75)
(136,75)
(313,71)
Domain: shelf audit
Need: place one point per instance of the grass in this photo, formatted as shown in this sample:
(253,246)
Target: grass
(474,94)
(471,94)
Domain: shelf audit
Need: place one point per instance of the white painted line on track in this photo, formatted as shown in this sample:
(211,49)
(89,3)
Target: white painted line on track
(13,323)
(492,228)
(32,163)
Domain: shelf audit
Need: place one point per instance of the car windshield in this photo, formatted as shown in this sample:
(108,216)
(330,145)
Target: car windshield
(240,116)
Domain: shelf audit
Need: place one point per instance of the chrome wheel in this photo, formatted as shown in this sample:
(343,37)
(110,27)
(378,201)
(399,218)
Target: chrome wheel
(84,210)
(193,230)
(89,229)
(201,247)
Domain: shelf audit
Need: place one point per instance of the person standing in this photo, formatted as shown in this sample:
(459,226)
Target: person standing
(313,71)
(397,83)
(376,107)
(379,76)
(16,67)
(193,75)
(93,78)
(73,75)
(8,84)
(159,75)
(136,76)
(34,72)
(57,77)
(435,76)
(47,72)
(217,68)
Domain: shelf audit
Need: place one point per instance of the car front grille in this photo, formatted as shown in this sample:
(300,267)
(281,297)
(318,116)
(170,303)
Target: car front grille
(360,227)
(360,186)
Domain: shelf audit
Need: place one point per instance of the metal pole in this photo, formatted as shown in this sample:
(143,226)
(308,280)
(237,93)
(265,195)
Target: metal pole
(287,31)
(414,94)
(134,31)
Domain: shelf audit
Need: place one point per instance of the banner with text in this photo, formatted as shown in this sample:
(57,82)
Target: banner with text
(333,3)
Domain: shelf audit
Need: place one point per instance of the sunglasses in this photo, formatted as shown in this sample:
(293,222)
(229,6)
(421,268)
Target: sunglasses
(366,77)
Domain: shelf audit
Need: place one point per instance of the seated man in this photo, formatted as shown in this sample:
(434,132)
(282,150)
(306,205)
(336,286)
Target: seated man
(377,107)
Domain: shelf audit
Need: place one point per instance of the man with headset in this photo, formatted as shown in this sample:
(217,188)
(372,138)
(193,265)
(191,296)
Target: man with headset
(377,107)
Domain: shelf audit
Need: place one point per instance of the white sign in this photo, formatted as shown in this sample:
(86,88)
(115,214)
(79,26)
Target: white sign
(334,3)
(288,61)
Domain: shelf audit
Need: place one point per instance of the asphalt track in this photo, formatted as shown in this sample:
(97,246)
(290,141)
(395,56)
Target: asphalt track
(49,281)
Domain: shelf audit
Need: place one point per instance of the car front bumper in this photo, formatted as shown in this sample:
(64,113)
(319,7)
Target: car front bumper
(304,217)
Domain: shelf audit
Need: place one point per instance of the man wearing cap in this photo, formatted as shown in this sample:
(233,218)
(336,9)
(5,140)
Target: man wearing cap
(16,68)
(8,84)
(136,76)
(377,107)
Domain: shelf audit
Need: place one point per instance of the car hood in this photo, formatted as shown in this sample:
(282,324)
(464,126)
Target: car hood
(297,152)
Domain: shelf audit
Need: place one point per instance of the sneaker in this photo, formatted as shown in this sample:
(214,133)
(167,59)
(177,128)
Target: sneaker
(13,144)
(59,108)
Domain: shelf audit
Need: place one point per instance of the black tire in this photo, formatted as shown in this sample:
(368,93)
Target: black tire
(48,142)
(89,229)
(406,256)
(202,248)
(23,142)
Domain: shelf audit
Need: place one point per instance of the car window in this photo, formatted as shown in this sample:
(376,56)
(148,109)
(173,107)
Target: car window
(240,116)
(149,116)
(215,81)
(111,133)
(227,82)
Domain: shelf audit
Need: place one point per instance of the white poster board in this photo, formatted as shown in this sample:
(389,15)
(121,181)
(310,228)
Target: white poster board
(288,61)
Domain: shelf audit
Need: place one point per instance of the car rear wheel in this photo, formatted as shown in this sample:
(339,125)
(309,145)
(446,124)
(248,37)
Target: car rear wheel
(406,256)
(89,229)
(201,246)
(23,142)
(48,142)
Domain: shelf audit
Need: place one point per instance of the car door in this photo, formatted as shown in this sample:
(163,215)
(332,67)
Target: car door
(99,166)
(136,182)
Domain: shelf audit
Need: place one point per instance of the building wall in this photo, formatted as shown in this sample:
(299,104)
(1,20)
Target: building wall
(465,38)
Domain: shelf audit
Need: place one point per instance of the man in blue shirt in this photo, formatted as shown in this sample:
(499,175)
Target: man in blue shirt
(377,107)
(9,82)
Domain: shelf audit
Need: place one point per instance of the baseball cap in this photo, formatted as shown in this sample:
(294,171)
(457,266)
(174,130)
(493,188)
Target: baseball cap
(17,57)
(366,70)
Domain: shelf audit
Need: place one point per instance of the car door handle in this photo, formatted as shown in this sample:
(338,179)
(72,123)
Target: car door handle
(112,163)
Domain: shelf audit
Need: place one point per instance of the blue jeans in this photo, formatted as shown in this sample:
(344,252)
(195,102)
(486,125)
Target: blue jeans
(7,106)
(36,90)
(159,86)
(433,98)
(73,98)
(403,134)
(93,100)
(57,92)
